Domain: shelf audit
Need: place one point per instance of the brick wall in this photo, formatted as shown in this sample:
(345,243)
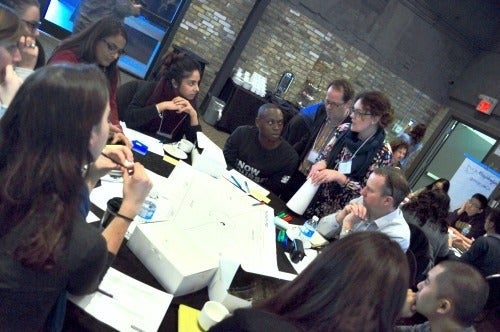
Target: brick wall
(287,40)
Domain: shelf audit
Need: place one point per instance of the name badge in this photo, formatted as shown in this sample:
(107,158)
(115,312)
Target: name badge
(312,156)
(345,167)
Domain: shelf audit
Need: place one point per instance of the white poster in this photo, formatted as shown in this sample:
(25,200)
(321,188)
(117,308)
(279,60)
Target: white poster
(470,178)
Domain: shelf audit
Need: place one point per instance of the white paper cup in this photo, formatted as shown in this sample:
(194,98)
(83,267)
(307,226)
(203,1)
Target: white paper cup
(185,145)
(211,313)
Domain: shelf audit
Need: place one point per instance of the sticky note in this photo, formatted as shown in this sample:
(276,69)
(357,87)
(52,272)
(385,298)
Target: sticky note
(170,160)
(259,196)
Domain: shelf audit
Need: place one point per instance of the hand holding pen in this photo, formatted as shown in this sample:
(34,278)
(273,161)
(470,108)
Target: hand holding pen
(116,157)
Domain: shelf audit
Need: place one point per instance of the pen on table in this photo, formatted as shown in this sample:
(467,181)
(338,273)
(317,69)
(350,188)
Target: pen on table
(237,183)
(246,186)
(130,171)
(103,292)
(258,203)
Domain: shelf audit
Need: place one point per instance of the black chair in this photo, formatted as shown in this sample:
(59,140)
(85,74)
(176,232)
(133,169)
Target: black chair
(412,264)
(124,95)
(419,245)
(493,297)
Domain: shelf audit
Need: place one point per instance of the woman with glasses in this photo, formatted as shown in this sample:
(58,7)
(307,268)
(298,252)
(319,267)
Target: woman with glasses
(10,31)
(356,149)
(170,101)
(102,44)
(32,52)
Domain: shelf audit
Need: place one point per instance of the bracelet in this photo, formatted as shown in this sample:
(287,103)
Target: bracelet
(116,214)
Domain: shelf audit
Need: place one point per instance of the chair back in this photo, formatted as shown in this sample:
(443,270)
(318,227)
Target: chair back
(419,245)
(124,95)
(494,295)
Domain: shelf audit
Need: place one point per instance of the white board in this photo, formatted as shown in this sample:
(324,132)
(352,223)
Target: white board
(471,177)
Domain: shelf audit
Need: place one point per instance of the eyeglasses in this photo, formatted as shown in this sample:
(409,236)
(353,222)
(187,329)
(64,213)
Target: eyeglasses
(360,113)
(113,48)
(333,103)
(33,25)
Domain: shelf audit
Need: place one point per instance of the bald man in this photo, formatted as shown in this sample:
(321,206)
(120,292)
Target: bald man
(259,152)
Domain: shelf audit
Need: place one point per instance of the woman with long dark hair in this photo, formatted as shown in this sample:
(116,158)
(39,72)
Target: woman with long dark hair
(429,211)
(356,149)
(171,99)
(358,283)
(46,170)
(102,44)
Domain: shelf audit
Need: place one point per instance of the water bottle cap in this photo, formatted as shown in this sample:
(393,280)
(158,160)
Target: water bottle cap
(315,218)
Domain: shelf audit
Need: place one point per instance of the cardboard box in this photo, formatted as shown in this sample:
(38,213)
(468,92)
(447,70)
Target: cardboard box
(178,265)
(219,287)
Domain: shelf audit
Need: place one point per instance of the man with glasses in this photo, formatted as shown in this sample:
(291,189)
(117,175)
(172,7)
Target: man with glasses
(471,216)
(376,210)
(259,153)
(310,140)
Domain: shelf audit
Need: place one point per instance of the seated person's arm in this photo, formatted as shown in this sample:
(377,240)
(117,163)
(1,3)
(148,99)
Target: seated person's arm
(342,221)
(231,148)
(278,181)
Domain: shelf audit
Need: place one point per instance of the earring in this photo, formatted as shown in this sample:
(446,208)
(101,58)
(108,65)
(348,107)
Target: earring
(174,84)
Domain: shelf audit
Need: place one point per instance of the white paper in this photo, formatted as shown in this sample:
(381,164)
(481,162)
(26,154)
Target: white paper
(91,217)
(309,257)
(219,218)
(154,145)
(300,201)
(202,140)
(242,179)
(134,305)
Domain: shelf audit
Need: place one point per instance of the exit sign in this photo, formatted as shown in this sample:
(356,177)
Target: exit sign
(486,104)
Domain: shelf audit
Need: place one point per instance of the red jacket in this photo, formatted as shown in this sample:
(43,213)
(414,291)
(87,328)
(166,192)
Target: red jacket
(70,57)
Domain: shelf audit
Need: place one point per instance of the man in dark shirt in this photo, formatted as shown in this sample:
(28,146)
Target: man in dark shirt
(259,153)
(484,252)
(470,215)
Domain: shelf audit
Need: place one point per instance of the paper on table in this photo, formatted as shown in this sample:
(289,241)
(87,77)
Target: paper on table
(134,305)
(202,140)
(242,179)
(309,257)
(107,190)
(154,145)
(91,217)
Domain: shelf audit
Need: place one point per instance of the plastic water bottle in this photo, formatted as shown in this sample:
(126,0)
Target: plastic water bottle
(466,230)
(148,207)
(309,227)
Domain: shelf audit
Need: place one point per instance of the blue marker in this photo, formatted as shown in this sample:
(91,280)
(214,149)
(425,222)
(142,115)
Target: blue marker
(237,183)
(246,186)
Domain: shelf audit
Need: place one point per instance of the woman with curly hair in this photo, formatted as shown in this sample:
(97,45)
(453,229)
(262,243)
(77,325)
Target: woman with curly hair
(429,211)
(355,150)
